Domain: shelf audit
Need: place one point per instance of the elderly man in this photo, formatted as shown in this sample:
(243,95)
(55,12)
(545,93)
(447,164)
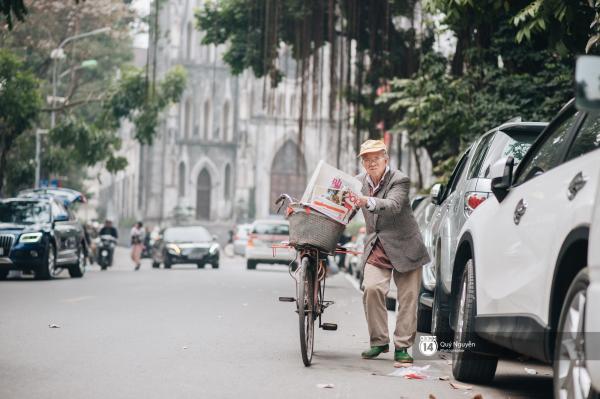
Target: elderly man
(393,247)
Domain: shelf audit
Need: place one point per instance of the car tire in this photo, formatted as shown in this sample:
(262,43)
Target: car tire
(4,274)
(468,366)
(200,265)
(155,265)
(45,272)
(250,264)
(167,264)
(423,318)
(575,299)
(215,265)
(440,320)
(78,270)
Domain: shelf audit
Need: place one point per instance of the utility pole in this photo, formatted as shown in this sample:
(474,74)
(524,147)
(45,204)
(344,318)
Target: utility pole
(38,146)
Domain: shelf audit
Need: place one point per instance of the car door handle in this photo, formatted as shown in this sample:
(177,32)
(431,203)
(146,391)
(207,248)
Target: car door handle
(576,185)
(520,211)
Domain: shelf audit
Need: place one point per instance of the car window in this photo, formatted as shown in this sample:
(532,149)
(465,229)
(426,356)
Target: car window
(457,175)
(59,211)
(24,212)
(187,234)
(479,156)
(548,154)
(504,145)
(587,139)
(271,228)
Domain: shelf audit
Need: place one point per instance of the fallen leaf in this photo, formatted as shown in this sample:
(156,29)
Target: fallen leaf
(444,378)
(478,396)
(530,371)
(456,385)
(325,386)
(431,396)
(53,326)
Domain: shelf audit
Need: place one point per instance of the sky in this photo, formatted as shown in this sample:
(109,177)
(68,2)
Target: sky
(140,40)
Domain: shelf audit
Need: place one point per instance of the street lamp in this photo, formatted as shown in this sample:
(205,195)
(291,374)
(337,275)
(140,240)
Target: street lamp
(58,54)
(38,133)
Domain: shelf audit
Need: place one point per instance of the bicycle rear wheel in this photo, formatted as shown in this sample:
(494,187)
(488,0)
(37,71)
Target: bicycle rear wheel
(306,308)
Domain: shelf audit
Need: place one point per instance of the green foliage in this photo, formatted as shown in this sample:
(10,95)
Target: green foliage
(20,103)
(131,99)
(564,22)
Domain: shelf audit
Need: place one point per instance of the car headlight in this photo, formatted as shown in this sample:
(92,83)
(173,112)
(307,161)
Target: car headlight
(214,249)
(173,249)
(30,237)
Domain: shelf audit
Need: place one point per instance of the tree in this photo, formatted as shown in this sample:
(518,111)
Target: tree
(95,100)
(20,103)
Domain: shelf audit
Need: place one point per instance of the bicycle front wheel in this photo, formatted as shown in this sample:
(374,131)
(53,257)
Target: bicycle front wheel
(306,308)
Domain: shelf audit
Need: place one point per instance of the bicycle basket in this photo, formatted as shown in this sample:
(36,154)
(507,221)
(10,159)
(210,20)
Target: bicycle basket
(309,227)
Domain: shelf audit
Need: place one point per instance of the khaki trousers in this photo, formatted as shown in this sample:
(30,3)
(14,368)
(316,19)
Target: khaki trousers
(376,285)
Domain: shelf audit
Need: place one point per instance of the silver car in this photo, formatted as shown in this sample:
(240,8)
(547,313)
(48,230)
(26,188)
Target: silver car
(467,188)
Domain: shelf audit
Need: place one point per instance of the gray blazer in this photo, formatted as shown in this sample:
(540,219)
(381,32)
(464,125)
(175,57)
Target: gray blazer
(394,223)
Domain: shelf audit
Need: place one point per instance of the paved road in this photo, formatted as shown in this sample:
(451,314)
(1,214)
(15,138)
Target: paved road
(189,333)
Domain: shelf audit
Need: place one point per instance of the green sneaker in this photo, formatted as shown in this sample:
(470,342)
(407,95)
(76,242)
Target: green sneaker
(401,356)
(375,351)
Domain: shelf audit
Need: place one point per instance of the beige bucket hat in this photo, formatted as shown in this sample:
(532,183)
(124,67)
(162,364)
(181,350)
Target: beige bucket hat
(372,146)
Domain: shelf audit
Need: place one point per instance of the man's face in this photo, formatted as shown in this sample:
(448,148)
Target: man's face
(375,163)
(108,224)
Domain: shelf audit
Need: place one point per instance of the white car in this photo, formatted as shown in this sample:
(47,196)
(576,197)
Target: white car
(263,234)
(521,259)
(592,302)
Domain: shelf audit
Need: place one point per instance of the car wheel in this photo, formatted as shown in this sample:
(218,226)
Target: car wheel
(48,268)
(466,365)
(215,265)
(155,265)
(4,274)
(440,320)
(200,265)
(571,377)
(167,264)
(78,270)
(250,265)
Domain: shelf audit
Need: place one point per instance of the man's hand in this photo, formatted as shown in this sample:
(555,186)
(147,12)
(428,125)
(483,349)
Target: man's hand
(362,201)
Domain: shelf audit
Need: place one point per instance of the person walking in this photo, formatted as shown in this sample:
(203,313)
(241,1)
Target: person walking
(393,248)
(137,244)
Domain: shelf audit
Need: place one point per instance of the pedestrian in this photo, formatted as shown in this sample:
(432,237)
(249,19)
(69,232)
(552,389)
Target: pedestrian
(137,244)
(393,248)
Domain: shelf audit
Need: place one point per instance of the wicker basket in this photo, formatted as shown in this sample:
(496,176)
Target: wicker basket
(309,227)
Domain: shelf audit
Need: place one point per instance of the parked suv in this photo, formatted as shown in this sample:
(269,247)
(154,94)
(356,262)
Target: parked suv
(520,266)
(468,187)
(39,234)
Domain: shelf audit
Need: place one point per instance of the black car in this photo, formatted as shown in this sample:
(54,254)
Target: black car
(40,235)
(186,244)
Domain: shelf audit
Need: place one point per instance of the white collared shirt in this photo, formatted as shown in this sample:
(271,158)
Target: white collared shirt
(371,200)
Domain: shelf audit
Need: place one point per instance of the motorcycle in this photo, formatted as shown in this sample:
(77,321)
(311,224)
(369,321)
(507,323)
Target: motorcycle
(105,250)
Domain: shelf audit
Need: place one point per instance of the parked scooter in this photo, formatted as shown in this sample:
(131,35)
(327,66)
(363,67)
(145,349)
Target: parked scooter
(105,249)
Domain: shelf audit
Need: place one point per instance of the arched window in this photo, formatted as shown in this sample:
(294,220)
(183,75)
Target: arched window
(181,185)
(203,192)
(189,41)
(227,192)
(225,124)
(288,173)
(207,119)
(188,119)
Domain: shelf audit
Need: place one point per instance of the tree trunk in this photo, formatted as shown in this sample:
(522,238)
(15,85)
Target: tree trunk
(458,60)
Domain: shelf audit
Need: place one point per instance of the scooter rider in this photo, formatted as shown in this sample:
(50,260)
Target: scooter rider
(109,229)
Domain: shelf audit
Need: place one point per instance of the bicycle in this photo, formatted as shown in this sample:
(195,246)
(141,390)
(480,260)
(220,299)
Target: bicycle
(310,289)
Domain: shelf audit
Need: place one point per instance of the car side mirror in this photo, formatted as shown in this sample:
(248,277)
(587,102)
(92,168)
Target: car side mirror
(587,83)
(215,238)
(502,173)
(436,193)
(61,218)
